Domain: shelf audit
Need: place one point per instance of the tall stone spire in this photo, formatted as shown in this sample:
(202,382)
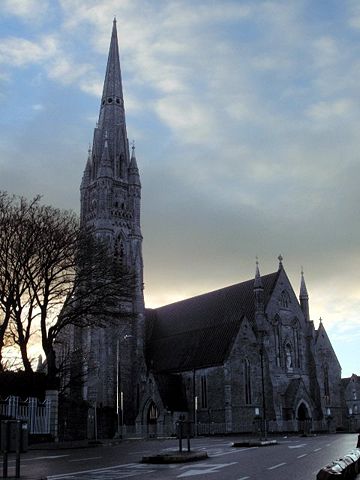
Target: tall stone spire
(112,123)
(110,204)
(112,83)
(304,297)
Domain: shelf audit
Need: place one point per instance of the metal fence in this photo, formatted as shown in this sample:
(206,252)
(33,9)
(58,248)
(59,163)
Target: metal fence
(215,428)
(35,413)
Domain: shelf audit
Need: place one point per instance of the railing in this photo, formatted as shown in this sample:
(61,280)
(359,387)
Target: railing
(215,428)
(35,413)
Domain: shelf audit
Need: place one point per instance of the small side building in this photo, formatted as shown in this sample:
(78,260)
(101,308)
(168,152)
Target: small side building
(351,389)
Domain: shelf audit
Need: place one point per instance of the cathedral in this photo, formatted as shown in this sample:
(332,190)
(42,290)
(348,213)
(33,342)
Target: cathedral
(238,359)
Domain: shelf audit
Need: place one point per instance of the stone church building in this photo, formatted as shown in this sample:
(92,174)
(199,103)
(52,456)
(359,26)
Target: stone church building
(226,360)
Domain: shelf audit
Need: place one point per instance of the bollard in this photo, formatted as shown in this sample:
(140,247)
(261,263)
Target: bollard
(5,446)
(180,423)
(17,449)
(188,436)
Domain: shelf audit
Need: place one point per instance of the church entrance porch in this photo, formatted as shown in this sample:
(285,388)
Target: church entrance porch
(152,419)
(303,418)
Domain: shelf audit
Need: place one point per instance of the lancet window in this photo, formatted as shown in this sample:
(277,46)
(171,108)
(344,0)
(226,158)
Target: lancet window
(326,383)
(247,381)
(289,357)
(284,300)
(203,398)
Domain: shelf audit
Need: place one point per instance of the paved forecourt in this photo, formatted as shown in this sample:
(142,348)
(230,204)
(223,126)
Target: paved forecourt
(297,458)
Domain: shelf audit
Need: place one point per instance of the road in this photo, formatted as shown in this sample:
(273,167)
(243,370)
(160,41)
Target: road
(297,458)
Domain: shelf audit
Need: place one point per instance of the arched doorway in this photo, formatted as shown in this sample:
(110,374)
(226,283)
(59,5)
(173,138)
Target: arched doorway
(304,418)
(152,418)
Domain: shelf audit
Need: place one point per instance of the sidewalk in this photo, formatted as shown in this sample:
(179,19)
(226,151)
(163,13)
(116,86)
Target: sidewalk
(74,444)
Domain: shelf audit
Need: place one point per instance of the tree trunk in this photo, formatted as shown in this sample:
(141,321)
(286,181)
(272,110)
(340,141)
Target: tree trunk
(24,357)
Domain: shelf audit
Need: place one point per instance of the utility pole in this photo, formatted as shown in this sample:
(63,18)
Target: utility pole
(263,386)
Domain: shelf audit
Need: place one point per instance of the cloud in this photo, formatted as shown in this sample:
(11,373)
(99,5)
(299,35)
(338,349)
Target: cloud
(353,9)
(38,107)
(66,70)
(27,10)
(248,118)
(334,108)
(20,52)
(325,51)
(184,15)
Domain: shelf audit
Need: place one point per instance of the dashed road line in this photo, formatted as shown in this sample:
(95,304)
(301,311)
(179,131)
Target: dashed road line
(301,456)
(276,466)
(317,449)
(84,459)
(203,469)
(116,471)
(243,478)
(48,457)
(220,454)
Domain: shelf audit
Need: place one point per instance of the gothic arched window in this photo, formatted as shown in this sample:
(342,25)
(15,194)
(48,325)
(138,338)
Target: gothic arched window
(284,300)
(296,340)
(277,339)
(204,402)
(247,381)
(288,357)
(326,383)
(153,413)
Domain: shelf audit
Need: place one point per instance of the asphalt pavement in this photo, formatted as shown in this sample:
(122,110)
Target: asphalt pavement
(297,458)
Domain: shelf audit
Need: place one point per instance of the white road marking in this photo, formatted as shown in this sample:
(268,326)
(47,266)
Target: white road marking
(303,455)
(317,449)
(328,444)
(276,466)
(49,457)
(223,453)
(298,446)
(84,459)
(203,468)
(243,478)
(97,473)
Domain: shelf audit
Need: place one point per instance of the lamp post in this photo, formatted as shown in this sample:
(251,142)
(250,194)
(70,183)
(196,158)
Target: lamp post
(119,388)
(119,395)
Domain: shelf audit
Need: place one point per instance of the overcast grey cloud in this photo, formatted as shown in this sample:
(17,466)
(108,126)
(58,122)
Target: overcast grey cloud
(246,118)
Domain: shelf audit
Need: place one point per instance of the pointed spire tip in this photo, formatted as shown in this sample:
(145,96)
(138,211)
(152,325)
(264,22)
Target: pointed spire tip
(303,290)
(257,282)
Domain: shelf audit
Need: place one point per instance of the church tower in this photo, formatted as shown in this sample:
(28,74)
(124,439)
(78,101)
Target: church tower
(110,203)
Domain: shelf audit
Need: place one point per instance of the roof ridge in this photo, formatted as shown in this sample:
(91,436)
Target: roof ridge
(222,289)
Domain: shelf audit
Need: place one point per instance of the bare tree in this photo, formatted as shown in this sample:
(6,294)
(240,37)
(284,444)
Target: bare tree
(57,275)
(16,242)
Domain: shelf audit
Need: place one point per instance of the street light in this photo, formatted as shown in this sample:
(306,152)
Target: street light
(119,390)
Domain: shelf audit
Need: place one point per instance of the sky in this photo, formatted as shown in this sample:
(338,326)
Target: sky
(246,119)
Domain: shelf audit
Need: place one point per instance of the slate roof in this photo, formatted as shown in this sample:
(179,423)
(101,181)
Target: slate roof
(199,331)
